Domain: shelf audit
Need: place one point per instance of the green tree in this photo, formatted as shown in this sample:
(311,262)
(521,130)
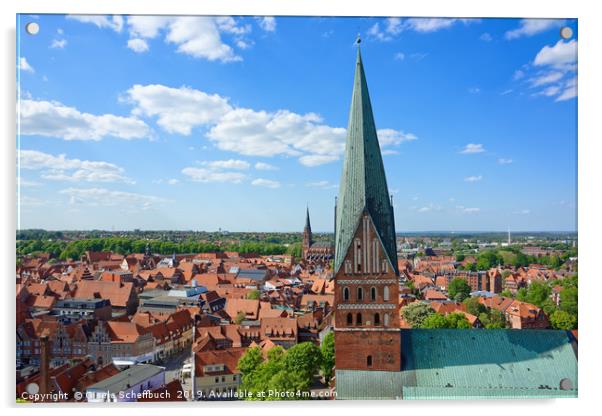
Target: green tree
(416,312)
(506,293)
(460,257)
(250,361)
(563,320)
(303,359)
(457,320)
(522,294)
(474,307)
(435,321)
(240,316)
(327,356)
(568,300)
(254,294)
(538,293)
(458,289)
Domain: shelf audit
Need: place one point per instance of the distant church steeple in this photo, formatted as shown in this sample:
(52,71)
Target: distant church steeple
(307,237)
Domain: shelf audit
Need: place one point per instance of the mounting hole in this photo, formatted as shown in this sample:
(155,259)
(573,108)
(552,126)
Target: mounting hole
(566,32)
(32,28)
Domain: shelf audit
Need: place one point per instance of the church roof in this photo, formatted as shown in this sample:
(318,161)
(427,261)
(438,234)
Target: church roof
(472,364)
(363,184)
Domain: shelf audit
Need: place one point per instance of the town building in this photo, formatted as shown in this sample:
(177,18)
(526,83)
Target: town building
(312,251)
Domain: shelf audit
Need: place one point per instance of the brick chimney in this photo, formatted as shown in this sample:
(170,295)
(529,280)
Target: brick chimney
(44,365)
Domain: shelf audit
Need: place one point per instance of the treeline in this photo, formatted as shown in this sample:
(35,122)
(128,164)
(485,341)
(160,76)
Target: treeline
(513,257)
(64,250)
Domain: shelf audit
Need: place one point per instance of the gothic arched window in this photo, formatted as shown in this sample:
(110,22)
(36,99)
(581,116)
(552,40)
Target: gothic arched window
(386,293)
(386,319)
(369,361)
(376,319)
(373,294)
(349,319)
(358,319)
(360,293)
(346,293)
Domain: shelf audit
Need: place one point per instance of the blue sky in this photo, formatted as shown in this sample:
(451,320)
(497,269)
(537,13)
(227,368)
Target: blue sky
(237,123)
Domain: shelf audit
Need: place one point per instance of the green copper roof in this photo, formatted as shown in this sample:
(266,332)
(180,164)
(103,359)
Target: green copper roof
(363,184)
(472,364)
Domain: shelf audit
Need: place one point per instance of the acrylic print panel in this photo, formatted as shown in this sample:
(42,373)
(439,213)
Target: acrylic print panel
(280,208)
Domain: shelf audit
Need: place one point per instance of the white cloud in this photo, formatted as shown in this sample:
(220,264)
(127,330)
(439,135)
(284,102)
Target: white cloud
(399,56)
(506,92)
(486,37)
(268,183)
(426,25)
(530,27)
(473,178)
(111,22)
(63,169)
(53,119)
(178,109)
(109,198)
(24,65)
(58,43)
(389,152)
(549,91)
(264,166)
(267,23)
(546,78)
(197,36)
(503,161)
(138,45)
(570,90)
(473,148)
(390,137)
(561,55)
(471,210)
(518,74)
(321,185)
(25,183)
(246,131)
(208,175)
(523,212)
(227,164)
(474,90)
(166,181)
(430,207)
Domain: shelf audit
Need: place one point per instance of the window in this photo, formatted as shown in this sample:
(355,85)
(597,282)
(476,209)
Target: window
(358,319)
(369,361)
(386,293)
(346,293)
(386,319)
(349,319)
(376,319)
(360,293)
(373,294)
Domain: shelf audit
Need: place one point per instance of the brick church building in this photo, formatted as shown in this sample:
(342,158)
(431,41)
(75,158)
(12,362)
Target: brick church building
(374,358)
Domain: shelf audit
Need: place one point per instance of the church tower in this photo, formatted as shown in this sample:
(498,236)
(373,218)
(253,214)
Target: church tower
(307,240)
(367,335)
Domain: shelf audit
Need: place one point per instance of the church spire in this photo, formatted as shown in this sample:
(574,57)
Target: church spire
(307,224)
(363,183)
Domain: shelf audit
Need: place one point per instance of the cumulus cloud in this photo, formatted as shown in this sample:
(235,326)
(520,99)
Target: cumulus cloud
(393,26)
(227,164)
(473,178)
(472,148)
(138,45)
(109,198)
(569,91)
(321,185)
(267,23)
(264,166)
(25,66)
(61,168)
(58,43)
(104,22)
(178,110)
(546,78)
(267,183)
(530,27)
(53,119)
(205,175)
(561,55)
(247,131)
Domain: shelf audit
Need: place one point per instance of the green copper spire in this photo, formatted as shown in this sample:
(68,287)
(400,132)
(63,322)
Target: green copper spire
(363,184)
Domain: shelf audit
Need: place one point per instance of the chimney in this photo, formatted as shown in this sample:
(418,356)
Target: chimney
(44,365)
